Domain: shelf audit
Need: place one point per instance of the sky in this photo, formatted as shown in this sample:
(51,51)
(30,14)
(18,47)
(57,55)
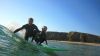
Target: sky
(57,15)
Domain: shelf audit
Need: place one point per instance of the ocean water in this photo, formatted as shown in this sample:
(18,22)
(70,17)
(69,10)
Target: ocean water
(12,45)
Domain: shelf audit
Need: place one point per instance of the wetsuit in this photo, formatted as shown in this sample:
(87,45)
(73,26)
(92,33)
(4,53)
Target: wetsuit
(31,30)
(42,38)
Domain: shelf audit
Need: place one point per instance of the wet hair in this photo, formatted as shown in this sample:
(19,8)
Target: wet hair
(31,19)
(44,27)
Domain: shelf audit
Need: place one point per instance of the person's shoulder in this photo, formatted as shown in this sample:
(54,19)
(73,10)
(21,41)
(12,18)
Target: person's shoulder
(34,25)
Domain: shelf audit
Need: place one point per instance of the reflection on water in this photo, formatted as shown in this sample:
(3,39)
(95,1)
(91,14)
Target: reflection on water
(12,45)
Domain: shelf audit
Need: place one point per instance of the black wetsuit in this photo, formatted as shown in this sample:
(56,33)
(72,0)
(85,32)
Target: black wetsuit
(42,38)
(31,30)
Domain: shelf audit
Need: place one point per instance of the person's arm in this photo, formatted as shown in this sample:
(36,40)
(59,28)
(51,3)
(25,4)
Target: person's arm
(37,29)
(19,29)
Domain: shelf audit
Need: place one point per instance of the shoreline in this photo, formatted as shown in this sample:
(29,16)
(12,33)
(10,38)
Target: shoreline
(82,43)
(78,43)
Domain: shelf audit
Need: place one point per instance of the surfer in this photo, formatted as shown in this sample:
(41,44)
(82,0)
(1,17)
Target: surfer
(42,36)
(31,29)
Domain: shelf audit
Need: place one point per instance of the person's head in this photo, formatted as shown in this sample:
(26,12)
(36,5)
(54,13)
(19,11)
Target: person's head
(30,21)
(44,28)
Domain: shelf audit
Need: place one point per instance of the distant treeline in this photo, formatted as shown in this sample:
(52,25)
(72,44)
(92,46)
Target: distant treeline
(73,36)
